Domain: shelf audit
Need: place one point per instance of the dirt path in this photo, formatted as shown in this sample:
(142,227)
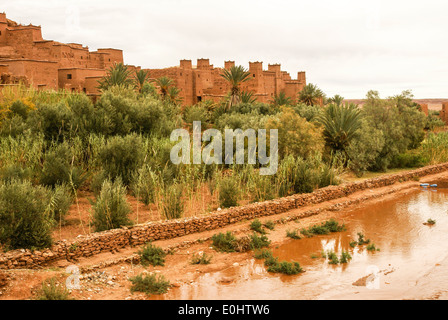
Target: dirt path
(106,276)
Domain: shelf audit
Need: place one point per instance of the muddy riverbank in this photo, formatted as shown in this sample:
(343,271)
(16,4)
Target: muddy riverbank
(409,260)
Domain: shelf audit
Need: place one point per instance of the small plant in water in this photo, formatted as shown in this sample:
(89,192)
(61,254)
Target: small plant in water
(371,247)
(430,222)
(361,240)
(263,254)
(286,267)
(353,243)
(332,257)
(345,257)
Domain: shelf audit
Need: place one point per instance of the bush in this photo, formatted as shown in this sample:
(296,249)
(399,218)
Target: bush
(144,184)
(51,290)
(263,254)
(285,267)
(171,204)
(257,226)
(408,160)
(228,192)
(56,168)
(201,258)
(293,234)
(150,284)
(25,218)
(15,172)
(61,200)
(152,255)
(269,225)
(121,157)
(111,209)
(258,242)
(53,120)
(224,242)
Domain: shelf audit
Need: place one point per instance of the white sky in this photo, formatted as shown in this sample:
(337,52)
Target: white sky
(347,47)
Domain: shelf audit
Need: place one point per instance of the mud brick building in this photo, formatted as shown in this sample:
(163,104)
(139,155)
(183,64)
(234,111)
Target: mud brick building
(204,82)
(46,64)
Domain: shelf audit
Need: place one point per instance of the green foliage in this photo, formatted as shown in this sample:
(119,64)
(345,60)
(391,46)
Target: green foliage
(285,267)
(340,122)
(294,234)
(281,100)
(430,222)
(257,226)
(258,242)
(332,257)
(235,76)
(60,202)
(372,247)
(324,228)
(171,203)
(144,184)
(435,148)
(152,255)
(51,290)
(117,75)
(111,209)
(361,240)
(228,192)
(345,257)
(150,284)
(269,225)
(311,95)
(201,258)
(408,160)
(224,242)
(121,157)
(263,254)
(25,217)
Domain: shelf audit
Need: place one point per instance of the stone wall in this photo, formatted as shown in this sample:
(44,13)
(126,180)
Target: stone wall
(109,241)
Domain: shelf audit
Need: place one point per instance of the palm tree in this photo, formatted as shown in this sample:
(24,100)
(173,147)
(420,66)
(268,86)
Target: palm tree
(247,97)
(164,84)
(173,94)
(117,75)
(311,95)
(140,79)
(337,99)
(281,100)
(340,124)
(235,76)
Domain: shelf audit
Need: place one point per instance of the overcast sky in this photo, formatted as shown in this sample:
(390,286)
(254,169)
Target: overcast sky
(346,47)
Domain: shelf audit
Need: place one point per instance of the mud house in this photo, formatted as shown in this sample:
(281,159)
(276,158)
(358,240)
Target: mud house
(46,64)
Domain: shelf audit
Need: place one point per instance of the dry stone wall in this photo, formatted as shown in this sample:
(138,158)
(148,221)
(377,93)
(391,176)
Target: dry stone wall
(112,240)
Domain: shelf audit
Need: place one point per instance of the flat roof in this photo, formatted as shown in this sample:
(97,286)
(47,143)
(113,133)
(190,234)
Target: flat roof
(27,60)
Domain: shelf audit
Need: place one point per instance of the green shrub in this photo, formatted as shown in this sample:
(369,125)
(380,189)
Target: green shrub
(56,168)
(172,204)
(111,209)
(361,240)
(228,192)
(257,226)
(15,172)
(430,222)
(51,290)
(150,284)
(201,259)
(258,242)
(285,267)
(263,254)
(345,257)
(61,200)
(372,247)
(408,160)
(332,257)
(324,228)
(224,242)
(269,225)
(152,255)
(25,218)
(121,157)
(144,184)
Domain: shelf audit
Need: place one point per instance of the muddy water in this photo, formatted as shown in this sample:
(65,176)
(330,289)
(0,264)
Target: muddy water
(412,262)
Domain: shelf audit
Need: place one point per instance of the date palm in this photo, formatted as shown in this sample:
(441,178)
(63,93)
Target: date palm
(247,97)
(311,95)
(140,79)
(235,76)
(164,84)
(117,75)
(281,100)
(340,124)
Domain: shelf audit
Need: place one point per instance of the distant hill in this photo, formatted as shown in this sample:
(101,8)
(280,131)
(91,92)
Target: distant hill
(433,104)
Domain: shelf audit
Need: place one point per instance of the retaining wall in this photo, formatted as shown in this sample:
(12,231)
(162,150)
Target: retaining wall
(89,245)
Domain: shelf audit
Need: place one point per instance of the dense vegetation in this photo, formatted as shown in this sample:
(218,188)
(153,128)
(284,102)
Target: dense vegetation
(54,144)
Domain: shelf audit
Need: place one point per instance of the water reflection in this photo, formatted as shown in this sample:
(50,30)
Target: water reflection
(407,246)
